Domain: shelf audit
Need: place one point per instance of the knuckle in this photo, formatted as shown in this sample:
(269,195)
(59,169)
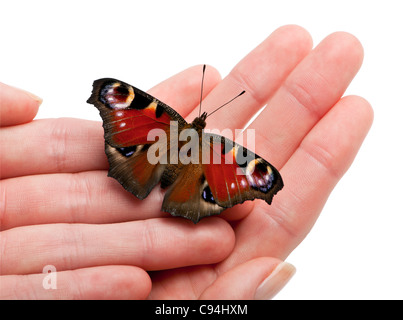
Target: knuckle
(246,82)
(57,144)
(306,93)
(324,157)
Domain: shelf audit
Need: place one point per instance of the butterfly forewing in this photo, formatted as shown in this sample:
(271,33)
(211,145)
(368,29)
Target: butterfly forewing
(128,113)
(241,175)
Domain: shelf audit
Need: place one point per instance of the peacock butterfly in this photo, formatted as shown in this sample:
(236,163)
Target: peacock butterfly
(203,173)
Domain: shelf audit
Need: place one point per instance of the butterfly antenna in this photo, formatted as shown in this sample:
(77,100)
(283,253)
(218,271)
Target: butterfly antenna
(226,103)
(201,91)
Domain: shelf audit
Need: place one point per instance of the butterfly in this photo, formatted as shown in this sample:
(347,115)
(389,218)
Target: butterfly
(203,173)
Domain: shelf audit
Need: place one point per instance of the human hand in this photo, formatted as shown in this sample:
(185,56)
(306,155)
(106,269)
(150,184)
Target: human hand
(59,208)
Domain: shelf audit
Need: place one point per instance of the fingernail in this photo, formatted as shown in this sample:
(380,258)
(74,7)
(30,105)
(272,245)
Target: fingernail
(35,97)
(29,94)
(275,281)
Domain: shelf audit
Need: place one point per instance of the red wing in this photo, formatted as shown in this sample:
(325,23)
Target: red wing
(241,175)
(128,115)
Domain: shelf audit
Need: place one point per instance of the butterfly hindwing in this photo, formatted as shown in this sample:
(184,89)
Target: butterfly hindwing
(185,196)
(130,167)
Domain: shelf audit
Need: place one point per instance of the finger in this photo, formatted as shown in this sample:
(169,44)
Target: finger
(106,282)
(152,245)
(259,279)
(310,175)
(85,197)
(315,85)
(260,74)
(321,160)
(182,91)
(311,89)
(17,106)
(52,145)
(72,145)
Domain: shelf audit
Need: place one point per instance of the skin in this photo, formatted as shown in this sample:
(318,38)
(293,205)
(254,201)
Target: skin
(60,208)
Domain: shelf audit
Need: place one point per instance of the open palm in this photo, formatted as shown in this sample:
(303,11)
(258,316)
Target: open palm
(59,208)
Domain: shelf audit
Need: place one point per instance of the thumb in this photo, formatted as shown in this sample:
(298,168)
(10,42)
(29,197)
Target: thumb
(260,278)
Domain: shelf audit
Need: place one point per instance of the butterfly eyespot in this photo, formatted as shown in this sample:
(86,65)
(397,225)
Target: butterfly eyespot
(128,151)
(207,195)
(259,175)
(117,95)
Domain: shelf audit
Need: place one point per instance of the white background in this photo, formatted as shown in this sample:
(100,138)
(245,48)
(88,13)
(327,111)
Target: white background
(55,49)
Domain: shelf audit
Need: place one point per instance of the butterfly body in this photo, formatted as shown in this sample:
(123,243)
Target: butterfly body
(203,173)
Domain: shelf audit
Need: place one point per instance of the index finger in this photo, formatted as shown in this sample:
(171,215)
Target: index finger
(74,145)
